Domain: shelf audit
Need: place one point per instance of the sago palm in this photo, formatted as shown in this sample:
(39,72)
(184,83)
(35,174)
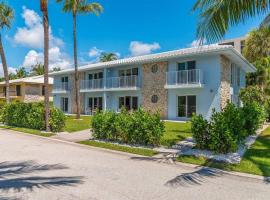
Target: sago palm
(6,17)
(76,7)
(105,57)
(216,16)
(44,10)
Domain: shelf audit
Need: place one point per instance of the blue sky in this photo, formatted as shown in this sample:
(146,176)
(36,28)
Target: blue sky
(132,27)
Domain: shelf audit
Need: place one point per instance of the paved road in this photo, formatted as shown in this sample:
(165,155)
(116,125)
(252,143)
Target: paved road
(38,168)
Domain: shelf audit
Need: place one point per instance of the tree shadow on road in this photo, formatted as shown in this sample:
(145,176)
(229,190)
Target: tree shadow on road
(17,176)
(194,178)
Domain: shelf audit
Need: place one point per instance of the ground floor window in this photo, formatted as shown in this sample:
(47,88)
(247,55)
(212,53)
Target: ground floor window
(128,102)
(95,103)
(64,104)
(186,106)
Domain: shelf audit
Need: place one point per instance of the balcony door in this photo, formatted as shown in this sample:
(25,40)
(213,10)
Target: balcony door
(95,80)
(64,104)
(128,77)
(64,82)
(186,106)
(186,72)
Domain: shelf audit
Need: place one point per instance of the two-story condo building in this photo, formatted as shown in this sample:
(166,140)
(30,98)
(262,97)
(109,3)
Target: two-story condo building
(175,83)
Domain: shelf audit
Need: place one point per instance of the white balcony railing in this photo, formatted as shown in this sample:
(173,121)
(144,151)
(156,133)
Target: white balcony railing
(123,82)
(61,87)
(184,77)
(92,84)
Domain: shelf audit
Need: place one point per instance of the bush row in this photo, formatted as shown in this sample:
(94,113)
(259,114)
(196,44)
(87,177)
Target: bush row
(31,115)
(227,129)
(137,127)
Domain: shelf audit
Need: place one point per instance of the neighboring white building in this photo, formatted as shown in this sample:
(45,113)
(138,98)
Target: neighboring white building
(175,83)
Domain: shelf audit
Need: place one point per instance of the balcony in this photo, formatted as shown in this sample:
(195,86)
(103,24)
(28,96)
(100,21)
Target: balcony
(184,79)
(93,85)
(61,88)
(123,82)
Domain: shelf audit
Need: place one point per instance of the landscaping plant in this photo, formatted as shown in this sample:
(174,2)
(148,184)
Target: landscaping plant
(135,127)
(31,115)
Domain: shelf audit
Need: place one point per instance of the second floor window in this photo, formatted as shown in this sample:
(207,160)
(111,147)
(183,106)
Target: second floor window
(235,75)
(43,90)
(129,72)
(64,81)
(98,75)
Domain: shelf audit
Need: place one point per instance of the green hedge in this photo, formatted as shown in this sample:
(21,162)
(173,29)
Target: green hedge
(227,129)
(31,115)
(137,127)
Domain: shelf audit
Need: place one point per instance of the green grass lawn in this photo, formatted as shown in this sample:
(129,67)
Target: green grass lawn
(28,130)
(255,161)
(133,150)
(175,132)
(73,125)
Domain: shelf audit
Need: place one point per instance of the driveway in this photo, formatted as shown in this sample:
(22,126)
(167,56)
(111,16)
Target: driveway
(40,168)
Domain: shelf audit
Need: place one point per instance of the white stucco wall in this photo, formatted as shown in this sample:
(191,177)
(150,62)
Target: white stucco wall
(208,97)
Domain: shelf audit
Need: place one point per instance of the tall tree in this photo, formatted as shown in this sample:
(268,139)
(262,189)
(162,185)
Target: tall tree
(216,16)
(44,10)
(37,70)
(78,7)
(257,44)
(6,16)
(105,57)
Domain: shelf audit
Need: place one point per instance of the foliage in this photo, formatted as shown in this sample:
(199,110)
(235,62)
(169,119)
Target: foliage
(21,72)
(31,115)
(37,70)
(200,131)
(136,127)
(257,44)
(254,115)
(105,57)
(252,94)
(216,16)
(227,129)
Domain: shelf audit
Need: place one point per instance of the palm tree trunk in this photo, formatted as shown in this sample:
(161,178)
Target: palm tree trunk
(77,89)
(46,63)
(5,69)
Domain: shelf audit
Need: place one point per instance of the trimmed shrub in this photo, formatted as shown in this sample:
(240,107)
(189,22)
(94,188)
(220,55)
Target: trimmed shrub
(136,127)
(31,115)
(254,117)
(200,131)
(227,129)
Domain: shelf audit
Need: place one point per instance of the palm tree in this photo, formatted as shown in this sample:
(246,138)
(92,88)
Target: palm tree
(44,10)
(216,16)
(257,44)
(105,57)
(37,70)
(78,7)
(6,16)
(21,73)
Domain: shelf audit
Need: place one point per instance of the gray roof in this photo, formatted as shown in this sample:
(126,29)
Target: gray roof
(227,50)
(30,80)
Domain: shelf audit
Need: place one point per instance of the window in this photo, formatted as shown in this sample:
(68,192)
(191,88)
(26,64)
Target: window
(128,72)
(238,76)
(235,75)
(64,81)
(128,102)
(189,65)
(18,90)
(95,80)
(95,103)
(186,106)
(64,104)
(5,90)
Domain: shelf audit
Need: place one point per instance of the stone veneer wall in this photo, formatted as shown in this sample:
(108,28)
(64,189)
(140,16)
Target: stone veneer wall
(225,84)
(73,95)
(153,84)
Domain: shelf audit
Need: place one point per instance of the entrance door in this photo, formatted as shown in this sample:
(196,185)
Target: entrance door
(64,104)
(186,106)
(94,104)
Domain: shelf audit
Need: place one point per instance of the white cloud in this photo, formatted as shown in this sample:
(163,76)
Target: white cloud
(139,48)
(94,52)
(10,70)
(197,43)
(32,34)
(56,58)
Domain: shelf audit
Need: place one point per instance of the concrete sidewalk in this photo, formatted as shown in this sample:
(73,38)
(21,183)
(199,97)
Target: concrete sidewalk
(74,137)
